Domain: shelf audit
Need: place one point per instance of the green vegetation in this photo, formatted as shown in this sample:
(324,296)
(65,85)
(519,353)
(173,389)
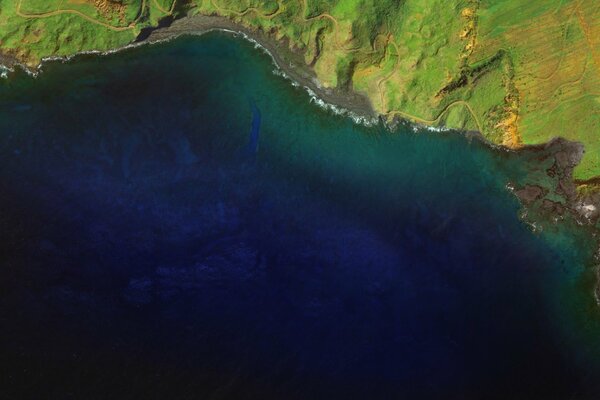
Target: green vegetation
(519,71)
(33,29)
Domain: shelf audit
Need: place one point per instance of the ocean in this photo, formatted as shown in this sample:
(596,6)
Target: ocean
(177,221)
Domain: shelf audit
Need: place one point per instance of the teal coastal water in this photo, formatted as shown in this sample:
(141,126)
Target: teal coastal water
(179,222)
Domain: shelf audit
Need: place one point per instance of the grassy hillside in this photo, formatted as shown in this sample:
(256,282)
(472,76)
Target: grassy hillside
(32,29)
(519,71)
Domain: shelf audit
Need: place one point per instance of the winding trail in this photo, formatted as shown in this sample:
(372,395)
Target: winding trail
(114,28)
(80,14)
(257,11)
(271,15)
(161,9)
(440,115)
(388,76)
(331,18)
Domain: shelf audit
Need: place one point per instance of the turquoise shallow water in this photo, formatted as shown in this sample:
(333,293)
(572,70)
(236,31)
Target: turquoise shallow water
(180,222)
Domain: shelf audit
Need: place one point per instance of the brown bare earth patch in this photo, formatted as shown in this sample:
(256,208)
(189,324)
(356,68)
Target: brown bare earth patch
(111,8)
(107,8)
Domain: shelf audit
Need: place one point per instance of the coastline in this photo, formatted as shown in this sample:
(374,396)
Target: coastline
(291,65)
(563,155)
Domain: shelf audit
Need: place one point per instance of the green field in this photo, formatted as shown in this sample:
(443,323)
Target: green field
(33,29)
(519,71)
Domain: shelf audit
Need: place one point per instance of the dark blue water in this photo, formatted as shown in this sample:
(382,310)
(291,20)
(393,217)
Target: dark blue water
(178,222)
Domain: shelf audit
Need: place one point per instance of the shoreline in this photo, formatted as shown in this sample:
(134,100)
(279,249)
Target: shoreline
(583,207)
(291,65)
(288,63)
